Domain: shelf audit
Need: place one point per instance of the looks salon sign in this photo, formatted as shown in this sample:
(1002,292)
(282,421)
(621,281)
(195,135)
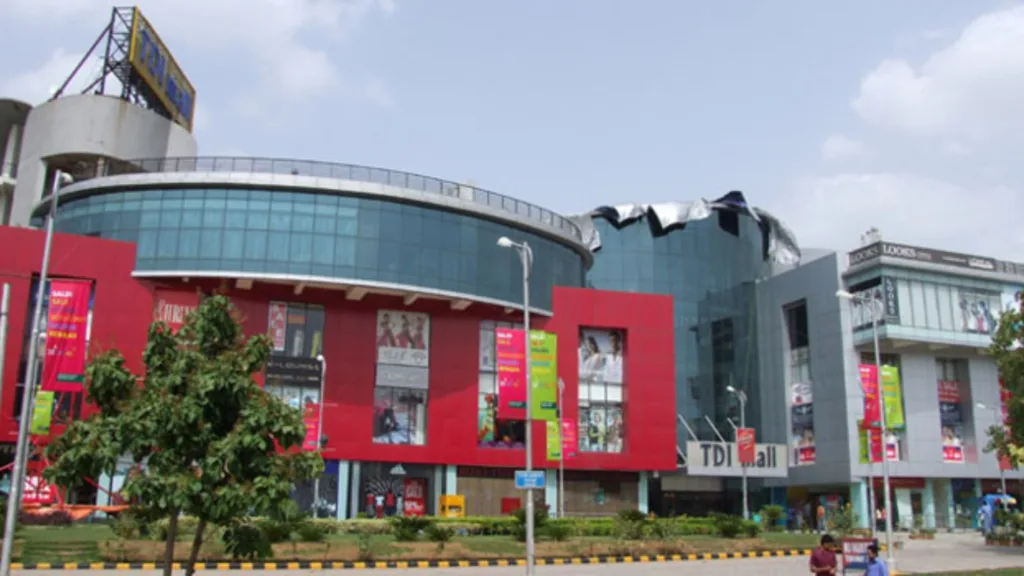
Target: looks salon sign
(172,307)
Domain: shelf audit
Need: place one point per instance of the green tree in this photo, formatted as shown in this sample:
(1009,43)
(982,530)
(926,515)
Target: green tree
(1008,351)
(206,440)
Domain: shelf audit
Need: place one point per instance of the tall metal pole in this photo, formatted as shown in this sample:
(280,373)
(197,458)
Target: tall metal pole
(319,432)
(526,256)
(743,424)
(28,394)
(876,305)
(561,450)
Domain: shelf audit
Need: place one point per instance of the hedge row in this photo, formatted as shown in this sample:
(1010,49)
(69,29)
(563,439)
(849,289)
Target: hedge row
(507,525)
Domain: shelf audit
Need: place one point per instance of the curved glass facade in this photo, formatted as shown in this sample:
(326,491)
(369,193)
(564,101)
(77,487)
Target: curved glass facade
(710,274)
(307,233)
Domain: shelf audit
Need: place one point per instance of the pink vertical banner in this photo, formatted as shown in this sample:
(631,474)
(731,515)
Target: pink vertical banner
(311,418)
(510,360)
(66,320)
(872,397)
(570,440)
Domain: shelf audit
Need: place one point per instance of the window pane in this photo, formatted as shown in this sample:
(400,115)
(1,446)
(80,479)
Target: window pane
(302,248)
(277,248)
(234,241)
(255,244)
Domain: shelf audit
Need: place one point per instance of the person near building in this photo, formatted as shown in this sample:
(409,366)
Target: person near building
(823,559)
(821,517)
(876,566)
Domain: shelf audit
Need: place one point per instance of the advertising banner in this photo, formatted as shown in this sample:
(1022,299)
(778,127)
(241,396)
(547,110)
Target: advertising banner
(1004,405)
(403,338)
(544,376)
(951,419)
(172,307)
(554,440)
(36,490)
(42,413)
(277,325)
(311,418)
(892,398)
(601,356)
(510,357)
(158,73)
(414,497)
(864,306)
(978,311)
(570,440)
(872,395)
(722,459)
(918,254)
(801,415)
(746,452)
(66,326)
(1012,303)
(871,445)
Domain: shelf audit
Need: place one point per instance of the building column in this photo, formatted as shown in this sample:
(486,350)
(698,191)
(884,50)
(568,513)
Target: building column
(641,497)
(978,494)
(551,492)
(342,509)
(355,502)
(451,480)
(928,504)
(950,505)
(859,503)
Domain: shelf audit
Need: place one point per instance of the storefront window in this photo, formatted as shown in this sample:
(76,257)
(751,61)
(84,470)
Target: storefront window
(601,378)
(402,378)
(293,371)
(389,489)
(493,432)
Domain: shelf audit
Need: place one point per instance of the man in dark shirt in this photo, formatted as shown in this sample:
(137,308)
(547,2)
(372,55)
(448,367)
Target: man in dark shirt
(823,559)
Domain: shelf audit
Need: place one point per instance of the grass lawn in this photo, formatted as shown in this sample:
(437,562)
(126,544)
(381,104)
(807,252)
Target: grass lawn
(96,542)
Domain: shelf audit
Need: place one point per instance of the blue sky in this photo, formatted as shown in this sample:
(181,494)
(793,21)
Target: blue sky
(835,116)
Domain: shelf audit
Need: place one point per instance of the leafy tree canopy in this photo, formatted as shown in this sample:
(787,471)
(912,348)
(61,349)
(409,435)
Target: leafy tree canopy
(1008,350)
(205,439)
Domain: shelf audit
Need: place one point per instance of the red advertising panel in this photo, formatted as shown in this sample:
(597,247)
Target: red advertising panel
(951,420)
(277,325)
(745,445)
(38,491)
(1004,404)
(67,318)
(510,358)
(872,397)
(414,497)
(172,307)
(570,440)
(875,444)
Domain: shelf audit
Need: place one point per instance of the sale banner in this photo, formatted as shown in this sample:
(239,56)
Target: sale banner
(570,441)
(311,418)
(745,445)
(414,497)
(544,376)
(872,395)
(42,413)
(554,440)
(510,361)
(66,320)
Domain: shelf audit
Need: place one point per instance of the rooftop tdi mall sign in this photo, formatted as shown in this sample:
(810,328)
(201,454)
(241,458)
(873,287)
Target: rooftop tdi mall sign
(722,459)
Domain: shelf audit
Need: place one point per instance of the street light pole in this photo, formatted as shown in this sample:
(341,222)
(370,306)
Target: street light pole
(526,259)
(742,397)
(319,431)
(31,383)
(561,450)
(999,458)
(876,312)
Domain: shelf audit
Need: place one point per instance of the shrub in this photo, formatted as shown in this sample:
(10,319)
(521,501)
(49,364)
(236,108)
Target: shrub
(663,529)
(751,529)
(631,525)
(313,531)
(53,518)
(727,526)
(408,528)
(247,541)
(540,516)
(558,531)
(125,526)
(771,515)
(274,530)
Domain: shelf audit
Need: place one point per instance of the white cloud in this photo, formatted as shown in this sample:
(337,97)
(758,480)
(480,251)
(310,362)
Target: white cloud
(377,93)
(838,147)
(287,44)
(973,88)
(40,83)
(834,211)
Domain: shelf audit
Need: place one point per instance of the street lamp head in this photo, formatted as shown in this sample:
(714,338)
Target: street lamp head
(320,358)
(504,242)
(844,295)
(730,388)
(63,178)
(981,406)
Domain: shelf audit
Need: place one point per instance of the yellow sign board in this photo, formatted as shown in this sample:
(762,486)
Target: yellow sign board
(451,506)
(155,66)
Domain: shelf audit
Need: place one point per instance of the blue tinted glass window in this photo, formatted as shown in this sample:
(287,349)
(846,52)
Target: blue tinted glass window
(302,248)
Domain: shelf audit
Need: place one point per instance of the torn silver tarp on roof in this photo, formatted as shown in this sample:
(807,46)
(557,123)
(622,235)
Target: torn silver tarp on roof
(778,242)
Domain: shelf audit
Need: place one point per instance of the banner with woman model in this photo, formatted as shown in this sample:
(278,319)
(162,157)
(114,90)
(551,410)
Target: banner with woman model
(952,421)
(403,338)
(600,356)
(801,413)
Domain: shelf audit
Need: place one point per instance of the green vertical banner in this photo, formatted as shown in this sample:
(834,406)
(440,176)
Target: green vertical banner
(543,376)
(892,396)
(42,413)
(554,438)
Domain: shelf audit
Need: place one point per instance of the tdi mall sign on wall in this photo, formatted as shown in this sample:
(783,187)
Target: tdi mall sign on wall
(722,459)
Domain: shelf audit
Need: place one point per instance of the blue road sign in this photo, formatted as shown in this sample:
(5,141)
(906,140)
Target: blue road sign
(532,480)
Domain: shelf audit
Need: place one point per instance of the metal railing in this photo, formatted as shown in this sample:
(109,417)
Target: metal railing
(351,172)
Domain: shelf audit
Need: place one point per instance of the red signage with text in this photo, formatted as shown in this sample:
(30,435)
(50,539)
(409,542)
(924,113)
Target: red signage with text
(311,418)
(38,491)
(872,397)
(570,441)
(66,323)
(414,497)
(746,445)
(510,360)
(172,307)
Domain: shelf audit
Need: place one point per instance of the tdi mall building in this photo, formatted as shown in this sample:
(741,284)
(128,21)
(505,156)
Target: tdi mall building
(657,320)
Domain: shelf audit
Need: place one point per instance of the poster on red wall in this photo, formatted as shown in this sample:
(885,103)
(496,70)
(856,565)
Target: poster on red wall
(414,497)
(277,325)
(172,307)
(311,418)
(872,399)
(36,490)
(66,326)
(570,438)
(952,421)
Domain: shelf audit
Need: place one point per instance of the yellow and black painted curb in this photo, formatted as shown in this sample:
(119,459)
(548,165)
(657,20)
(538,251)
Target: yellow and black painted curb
(563,561)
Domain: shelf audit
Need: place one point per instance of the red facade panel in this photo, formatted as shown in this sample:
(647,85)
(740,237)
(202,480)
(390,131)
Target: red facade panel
(124,307)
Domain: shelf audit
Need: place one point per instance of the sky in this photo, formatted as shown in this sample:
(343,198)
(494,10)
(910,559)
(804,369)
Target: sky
(834,116)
